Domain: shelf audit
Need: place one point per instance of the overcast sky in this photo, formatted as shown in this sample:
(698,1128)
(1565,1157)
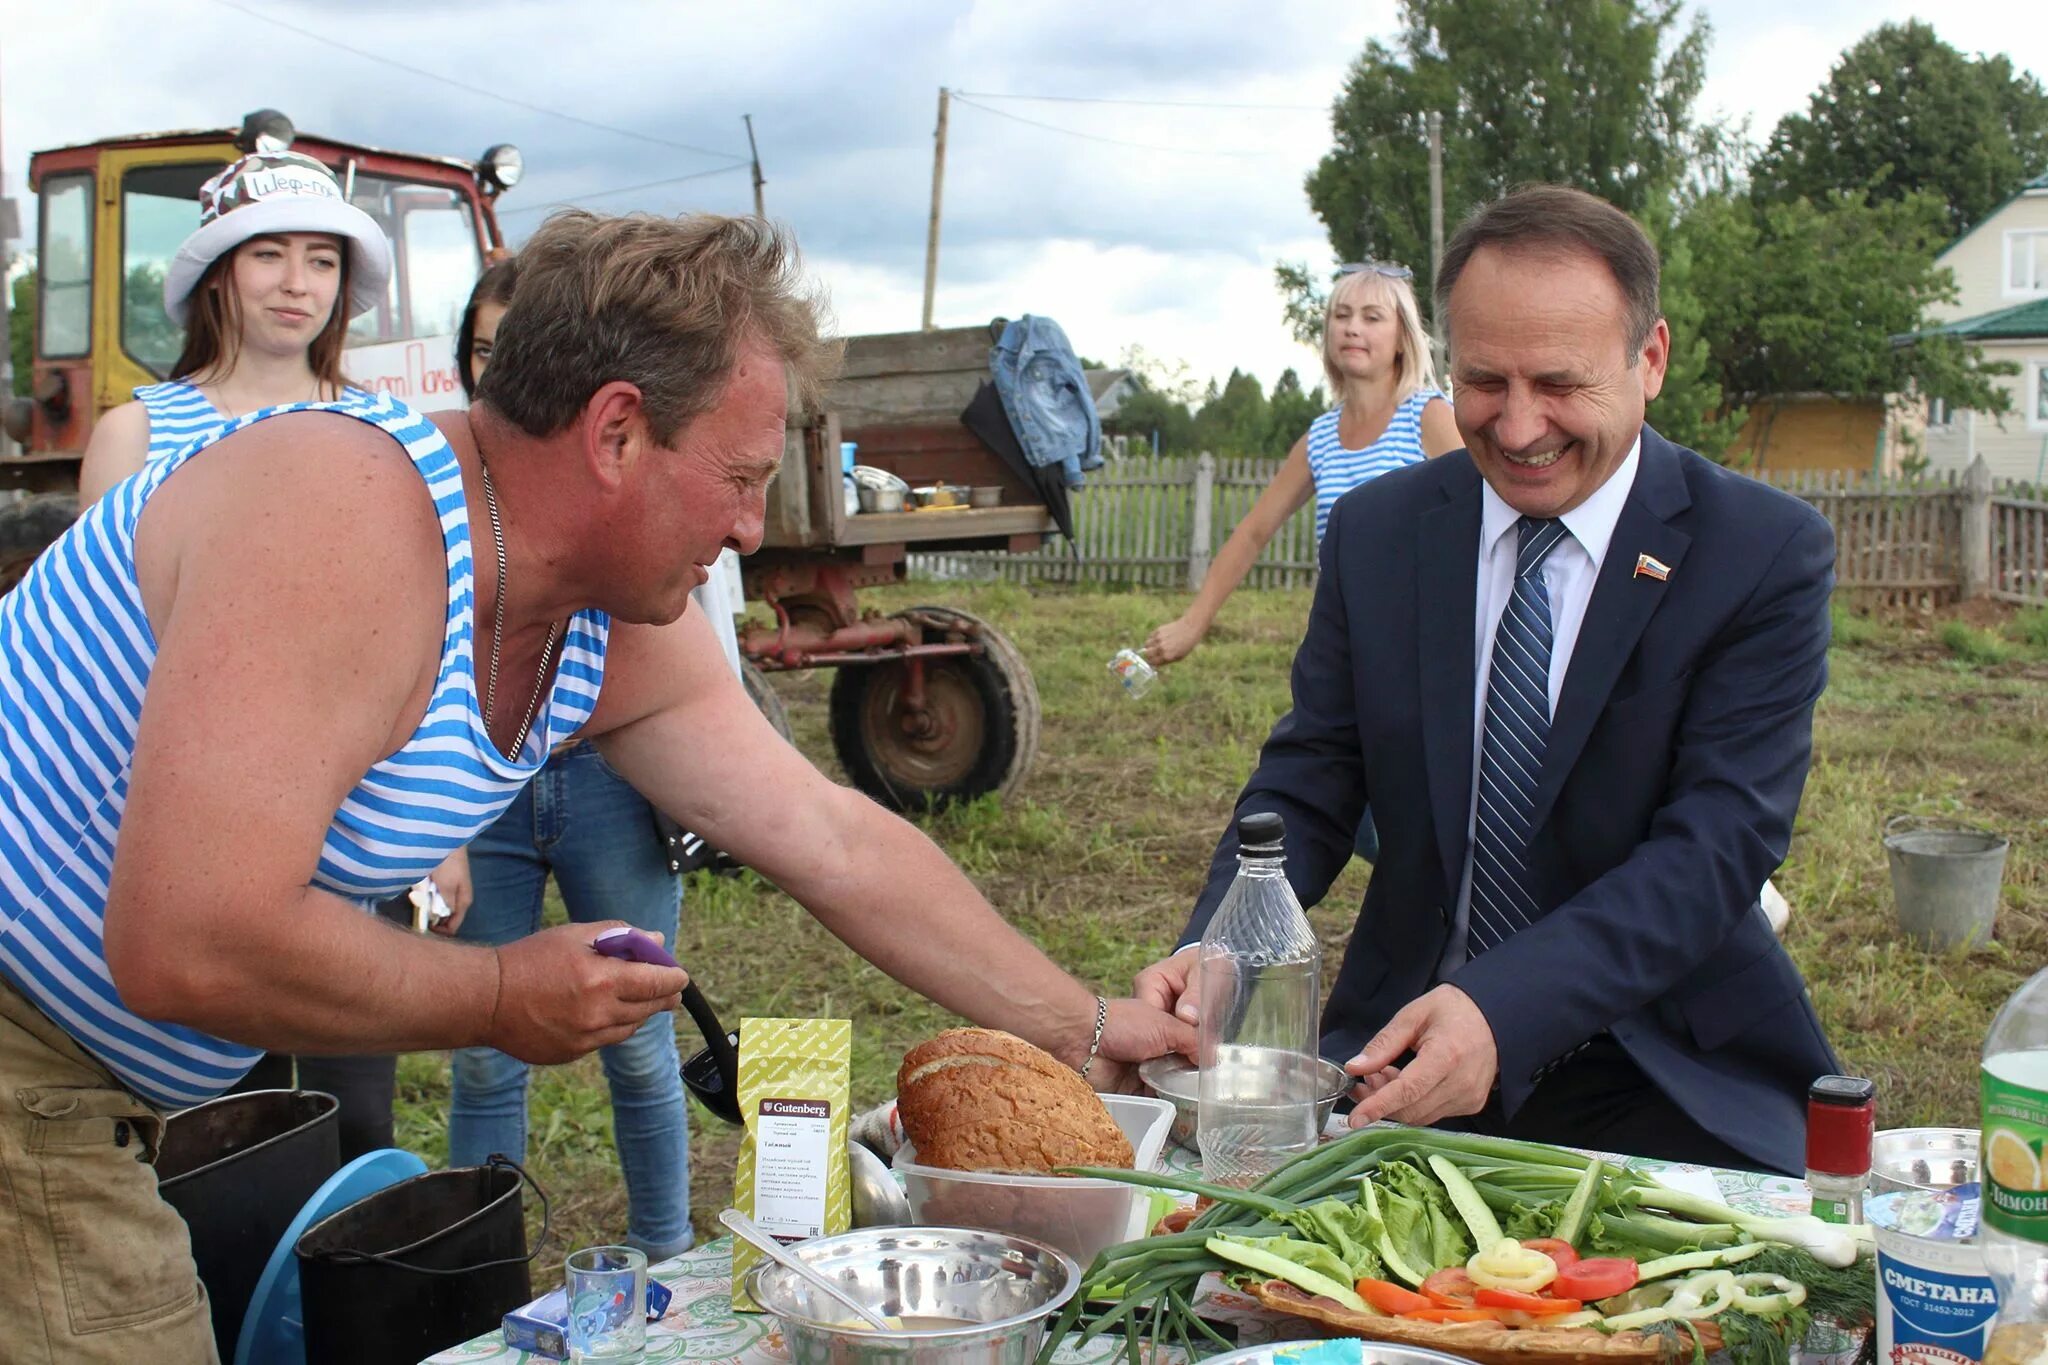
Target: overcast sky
(1167,245)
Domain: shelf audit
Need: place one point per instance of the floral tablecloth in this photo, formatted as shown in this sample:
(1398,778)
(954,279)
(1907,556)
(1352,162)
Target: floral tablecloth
(701,1326)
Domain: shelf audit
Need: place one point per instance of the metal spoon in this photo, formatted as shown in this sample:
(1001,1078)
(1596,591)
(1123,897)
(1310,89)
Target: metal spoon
(878,1201)
(744,1226)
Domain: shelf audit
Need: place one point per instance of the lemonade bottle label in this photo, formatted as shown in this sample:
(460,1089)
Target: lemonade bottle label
(2015,1130)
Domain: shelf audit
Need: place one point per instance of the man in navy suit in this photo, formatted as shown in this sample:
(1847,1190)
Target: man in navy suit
(1573,669)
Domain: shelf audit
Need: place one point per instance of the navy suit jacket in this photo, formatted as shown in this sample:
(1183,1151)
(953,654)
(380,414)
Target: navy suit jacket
(1676,757)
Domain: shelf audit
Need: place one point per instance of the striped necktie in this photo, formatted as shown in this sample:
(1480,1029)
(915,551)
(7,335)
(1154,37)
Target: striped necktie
(1511,748)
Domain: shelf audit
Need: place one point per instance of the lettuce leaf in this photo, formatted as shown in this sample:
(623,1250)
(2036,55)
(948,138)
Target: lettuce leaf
(1419,1219)
(1349,1230)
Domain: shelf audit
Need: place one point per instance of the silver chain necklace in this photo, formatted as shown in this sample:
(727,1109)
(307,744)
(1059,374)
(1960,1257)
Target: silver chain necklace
(547,650)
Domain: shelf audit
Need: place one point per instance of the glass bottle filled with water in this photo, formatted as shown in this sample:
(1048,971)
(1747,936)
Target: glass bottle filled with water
(1259,984)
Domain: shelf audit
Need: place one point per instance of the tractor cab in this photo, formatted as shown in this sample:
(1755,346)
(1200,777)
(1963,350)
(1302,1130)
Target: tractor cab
(111,214)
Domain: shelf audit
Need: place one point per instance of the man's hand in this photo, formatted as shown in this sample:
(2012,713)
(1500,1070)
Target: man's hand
(1453,1069)
(1172,642)
(451,879)
(559,999)
(1169,986)
(1135,1032)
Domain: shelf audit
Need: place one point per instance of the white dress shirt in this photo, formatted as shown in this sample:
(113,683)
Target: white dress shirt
(1569,573)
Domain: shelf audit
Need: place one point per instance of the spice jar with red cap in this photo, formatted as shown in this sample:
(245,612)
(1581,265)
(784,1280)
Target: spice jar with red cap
(1841,1118)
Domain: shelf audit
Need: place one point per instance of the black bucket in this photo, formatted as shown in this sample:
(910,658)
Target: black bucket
(238,1170)
(418,1266)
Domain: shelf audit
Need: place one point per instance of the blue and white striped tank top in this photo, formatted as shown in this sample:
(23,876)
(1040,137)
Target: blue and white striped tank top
(179,416)
(1337,471)
(79,649)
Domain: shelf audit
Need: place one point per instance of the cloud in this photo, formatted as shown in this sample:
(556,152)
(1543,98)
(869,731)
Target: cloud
(1168,243)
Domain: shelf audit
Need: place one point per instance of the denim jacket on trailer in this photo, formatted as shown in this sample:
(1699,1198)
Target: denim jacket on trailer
(1046,395)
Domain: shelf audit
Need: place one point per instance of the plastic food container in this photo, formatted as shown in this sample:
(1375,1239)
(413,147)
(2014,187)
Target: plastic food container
(1934,1301)
(1079,1217)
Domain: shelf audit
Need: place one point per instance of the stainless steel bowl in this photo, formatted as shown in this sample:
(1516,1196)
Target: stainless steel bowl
(985,495)
(1001,1289)
(1174,1079)
(880,499)
(1922,1159)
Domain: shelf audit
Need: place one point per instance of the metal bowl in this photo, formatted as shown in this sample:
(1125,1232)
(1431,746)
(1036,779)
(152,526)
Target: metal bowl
(985,495)
(1922,1159)
(1174,1079)
(1001,1289)
(874,498)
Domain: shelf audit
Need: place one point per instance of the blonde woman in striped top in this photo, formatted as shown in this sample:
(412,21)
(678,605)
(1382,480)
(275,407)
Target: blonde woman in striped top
(1389,413)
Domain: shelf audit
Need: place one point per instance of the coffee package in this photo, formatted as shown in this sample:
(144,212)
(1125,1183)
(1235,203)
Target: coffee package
(794,1081)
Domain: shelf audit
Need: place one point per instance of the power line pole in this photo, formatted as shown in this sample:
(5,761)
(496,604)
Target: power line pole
(755,153)
(1436,226)
(931,242)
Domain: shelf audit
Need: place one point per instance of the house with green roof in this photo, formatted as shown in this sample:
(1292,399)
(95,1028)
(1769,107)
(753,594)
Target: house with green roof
(2001,305)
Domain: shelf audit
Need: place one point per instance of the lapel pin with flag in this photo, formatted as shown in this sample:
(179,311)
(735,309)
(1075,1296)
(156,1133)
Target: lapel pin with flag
(1649,566)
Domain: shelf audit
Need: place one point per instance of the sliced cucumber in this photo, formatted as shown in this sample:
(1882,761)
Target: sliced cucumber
(1578,1210)
(1478,1218)
(1280,1268)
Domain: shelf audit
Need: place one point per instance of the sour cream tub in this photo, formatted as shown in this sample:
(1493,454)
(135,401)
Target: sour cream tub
(1934,1301)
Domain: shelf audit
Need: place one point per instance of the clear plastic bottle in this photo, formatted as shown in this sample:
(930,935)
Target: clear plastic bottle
(2014,1234)
(1259,983)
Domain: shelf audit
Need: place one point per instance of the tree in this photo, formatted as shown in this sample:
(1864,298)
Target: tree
(1290,411)
(1592,93)
(1691,409)
(1236,420)
(21,330)
(147,332)
(1151,415)
(1815,296)
(1903,112)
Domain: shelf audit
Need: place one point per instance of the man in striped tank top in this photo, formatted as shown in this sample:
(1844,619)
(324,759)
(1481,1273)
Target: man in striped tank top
(265,680)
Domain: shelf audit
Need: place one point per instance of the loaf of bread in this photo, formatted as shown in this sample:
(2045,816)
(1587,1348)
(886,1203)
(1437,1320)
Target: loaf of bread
(974,1099)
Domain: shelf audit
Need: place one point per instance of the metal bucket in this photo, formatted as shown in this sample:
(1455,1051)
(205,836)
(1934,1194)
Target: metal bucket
(237,1169)
(1945,878)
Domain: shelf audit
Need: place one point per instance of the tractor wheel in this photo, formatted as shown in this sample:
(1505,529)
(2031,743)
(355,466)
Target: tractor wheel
(981,720)
(27,526)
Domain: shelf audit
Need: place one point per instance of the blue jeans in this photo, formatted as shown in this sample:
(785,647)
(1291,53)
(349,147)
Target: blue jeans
(580,820)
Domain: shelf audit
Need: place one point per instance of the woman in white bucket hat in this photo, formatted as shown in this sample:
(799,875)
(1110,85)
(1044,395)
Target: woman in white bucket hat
(264,288)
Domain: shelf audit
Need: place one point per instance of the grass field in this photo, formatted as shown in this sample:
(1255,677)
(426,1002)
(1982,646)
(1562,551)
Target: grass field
(1100,856)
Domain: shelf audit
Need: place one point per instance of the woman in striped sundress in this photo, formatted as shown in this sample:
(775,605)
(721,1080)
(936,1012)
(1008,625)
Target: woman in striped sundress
(1389,413)
(264,288)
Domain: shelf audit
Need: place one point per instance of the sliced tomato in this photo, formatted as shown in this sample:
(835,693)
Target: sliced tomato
(1597,1277)
(1526,1303)
(1387,1297)
(1450,1287)
(1556,1248)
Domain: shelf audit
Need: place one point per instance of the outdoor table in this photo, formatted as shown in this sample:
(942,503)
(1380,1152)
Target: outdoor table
(701,1326)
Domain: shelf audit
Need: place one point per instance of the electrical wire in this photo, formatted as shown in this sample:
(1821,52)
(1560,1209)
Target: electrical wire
(1149,104)
(379,57)
(1094,137)
(623,189)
